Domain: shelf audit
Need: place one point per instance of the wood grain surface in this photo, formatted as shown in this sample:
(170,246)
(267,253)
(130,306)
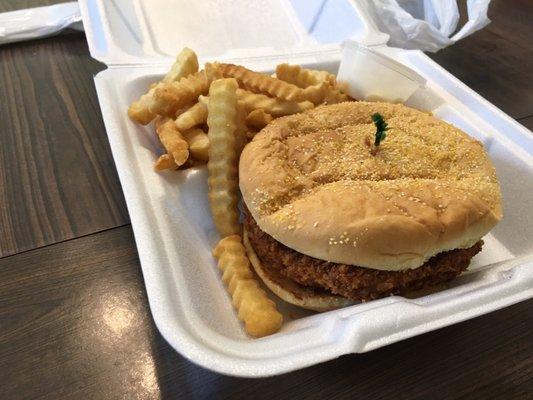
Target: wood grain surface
(74,317)
(497,61)
(57,176)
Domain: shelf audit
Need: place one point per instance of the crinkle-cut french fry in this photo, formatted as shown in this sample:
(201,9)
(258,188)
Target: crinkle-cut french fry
(241,133)
(273,106)
(302,77)
(173,141)
(204,99)
(254,308)
(306,78)
(258,82)
(316,93)
(158,121)
(258,119)
(198,143)
(139,111)
(170,97)
(186,64)
(223,158)
(195,115)
(335,96)
(164,162)
(323,76)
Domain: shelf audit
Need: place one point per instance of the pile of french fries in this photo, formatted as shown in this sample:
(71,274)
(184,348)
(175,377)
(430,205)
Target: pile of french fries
(231,103)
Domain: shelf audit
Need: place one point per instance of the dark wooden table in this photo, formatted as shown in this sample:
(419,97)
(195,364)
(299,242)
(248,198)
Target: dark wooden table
(74,318)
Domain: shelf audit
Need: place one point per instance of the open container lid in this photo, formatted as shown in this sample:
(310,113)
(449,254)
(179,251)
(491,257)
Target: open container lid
(136,32)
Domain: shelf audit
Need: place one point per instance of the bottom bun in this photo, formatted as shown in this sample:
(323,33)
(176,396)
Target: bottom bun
(290,291)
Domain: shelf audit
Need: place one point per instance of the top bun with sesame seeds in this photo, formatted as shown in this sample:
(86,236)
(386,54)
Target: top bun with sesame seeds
(313,182)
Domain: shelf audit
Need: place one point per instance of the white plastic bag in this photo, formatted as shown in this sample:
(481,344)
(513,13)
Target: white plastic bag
(39,22)
(425,24)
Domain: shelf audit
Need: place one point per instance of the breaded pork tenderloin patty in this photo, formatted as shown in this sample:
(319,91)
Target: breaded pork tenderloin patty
(418,205)
(353,282)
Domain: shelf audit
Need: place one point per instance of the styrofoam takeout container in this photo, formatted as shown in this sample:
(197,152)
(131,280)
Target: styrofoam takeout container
(170,214)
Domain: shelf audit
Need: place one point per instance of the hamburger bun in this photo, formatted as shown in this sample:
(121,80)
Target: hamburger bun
(311,182)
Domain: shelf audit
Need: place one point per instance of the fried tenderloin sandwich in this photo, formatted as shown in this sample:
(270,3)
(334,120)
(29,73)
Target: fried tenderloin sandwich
(331,218)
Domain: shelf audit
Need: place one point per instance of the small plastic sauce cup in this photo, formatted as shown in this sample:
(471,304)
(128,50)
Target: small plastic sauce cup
(371,76)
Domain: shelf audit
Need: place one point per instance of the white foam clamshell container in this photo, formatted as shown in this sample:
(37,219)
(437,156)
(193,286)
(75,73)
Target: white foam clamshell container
(170,215)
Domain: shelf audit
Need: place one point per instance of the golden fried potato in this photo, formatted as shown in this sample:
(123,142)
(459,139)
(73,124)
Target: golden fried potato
(335,96)
(271,105)
(258,119)
(302,77)
(222,164)
(186,64)
(203,99)
(173,141)
(258,82)
(255,309)
(195,115)
(198,143)
(242,131)
(305,78)
(139,111)
(165,162)
(170,97)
